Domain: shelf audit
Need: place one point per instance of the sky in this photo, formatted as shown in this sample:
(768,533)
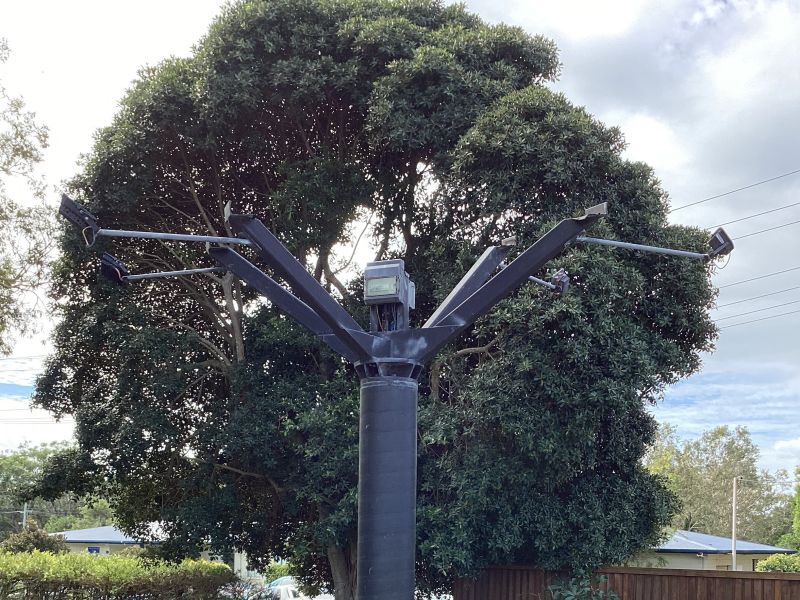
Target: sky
(706,92)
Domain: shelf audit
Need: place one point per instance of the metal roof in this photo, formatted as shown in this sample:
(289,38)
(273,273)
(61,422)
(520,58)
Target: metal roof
(703,543)
(98,535)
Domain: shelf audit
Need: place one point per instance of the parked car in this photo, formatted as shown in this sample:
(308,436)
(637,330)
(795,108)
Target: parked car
(284,588)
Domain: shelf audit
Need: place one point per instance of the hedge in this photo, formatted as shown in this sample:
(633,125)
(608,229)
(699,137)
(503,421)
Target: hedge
(42,575)
(786,563)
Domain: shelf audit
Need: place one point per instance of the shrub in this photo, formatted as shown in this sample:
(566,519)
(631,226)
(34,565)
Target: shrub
(33,538)
(580,588)
(86,577)
(787,563)
(278,569)
(790,540)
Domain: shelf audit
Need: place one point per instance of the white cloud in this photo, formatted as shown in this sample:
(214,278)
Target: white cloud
(764,397)
(580,19)
(652,140)
(20,424)
(21,370)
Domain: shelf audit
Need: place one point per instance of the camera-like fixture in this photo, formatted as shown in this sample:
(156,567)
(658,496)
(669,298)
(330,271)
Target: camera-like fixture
(114,269)
(390,294)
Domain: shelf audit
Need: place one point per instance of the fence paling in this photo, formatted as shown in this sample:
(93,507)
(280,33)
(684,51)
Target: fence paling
(524,583)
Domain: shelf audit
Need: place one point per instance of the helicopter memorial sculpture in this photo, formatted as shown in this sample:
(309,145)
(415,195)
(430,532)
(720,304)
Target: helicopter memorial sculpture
(388,358)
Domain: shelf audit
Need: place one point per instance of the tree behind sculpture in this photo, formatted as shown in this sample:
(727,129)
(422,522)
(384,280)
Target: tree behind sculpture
(701,473)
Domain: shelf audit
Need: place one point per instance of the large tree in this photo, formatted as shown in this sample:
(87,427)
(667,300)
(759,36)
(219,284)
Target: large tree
(199,405)
(701,473)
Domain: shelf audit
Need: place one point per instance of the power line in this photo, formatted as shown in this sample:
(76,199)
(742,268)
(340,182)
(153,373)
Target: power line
(23,357)
(761,319)
(747,187)
(33,421)
(741,237)
(766,212)
(797,287)
(750,312)
(759,277)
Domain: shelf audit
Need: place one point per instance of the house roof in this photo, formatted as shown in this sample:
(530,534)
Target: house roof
(703,543)
(98,535)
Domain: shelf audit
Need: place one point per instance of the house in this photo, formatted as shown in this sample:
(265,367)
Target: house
(98,540)
(110,540)
(693,550)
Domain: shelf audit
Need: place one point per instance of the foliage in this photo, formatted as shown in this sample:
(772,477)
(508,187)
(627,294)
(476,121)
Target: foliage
(27,226)
(701,473)
(81,576)
(792,539)
(242,590)
(202,407)
(581,588)
(277,569)
(90,513)
(786,563)
(33,538)
(19,470)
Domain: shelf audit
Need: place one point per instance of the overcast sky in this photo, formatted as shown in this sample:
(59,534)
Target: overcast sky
(707,92)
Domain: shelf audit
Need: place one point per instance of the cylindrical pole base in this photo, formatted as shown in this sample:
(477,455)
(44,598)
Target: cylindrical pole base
(387,487)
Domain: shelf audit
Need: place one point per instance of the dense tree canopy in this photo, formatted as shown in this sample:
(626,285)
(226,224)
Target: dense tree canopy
(701,473)
(201,406)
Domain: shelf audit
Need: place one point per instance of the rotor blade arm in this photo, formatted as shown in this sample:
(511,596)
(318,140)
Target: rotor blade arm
(279,296)
(470,283)
(301,281)
(514,275)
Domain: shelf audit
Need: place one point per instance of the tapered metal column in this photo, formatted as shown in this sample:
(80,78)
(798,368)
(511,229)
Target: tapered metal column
(387,486)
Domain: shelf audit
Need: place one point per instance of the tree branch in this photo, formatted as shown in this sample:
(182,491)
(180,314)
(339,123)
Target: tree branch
(436,366)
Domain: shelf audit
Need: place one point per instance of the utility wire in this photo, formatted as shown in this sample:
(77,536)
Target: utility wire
(761,319)
(766,212)
(759,277)
(23,357)
(747,187)
(797,287)
(750,312)
(741,237)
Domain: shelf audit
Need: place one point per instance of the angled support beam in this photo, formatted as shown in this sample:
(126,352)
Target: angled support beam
(307,288)
(515,274)
(469,284)
(280,297)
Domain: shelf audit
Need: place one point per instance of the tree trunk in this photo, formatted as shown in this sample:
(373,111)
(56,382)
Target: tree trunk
(343,569)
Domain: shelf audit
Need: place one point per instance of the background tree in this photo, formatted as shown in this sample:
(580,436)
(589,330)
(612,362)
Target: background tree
(20,469)
(792,539)
(701,473)
(27,224)
(199,405)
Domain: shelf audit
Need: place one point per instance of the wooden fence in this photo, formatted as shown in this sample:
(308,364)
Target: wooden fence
(523,583)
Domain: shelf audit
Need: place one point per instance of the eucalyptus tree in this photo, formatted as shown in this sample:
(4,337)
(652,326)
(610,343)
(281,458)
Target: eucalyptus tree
(27,225)
(204,408)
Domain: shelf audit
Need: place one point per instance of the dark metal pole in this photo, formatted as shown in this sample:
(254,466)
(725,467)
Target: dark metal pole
(387,487)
